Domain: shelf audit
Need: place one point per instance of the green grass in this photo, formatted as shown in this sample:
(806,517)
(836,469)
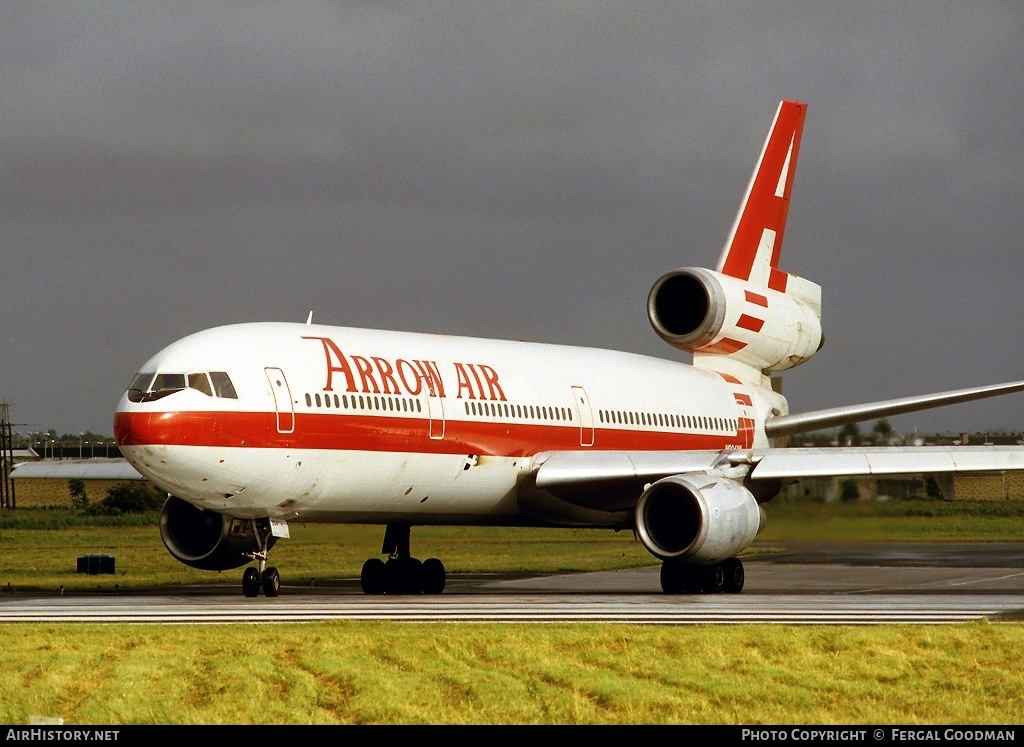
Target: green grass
(46,559)
(411,673)
(392,673)
(913,520)
(40,547)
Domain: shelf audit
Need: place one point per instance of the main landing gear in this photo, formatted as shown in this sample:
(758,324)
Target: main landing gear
(255,579)
(680,577)
(401,574)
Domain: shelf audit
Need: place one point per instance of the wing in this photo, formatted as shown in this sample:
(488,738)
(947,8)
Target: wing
(615,480)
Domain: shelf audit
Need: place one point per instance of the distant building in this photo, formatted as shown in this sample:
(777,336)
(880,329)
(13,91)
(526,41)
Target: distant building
(45,482)
(1007,486)
(981,486)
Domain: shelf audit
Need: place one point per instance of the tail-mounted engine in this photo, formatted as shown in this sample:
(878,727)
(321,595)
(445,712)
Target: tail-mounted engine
(705,312)
(700,518)
(206,539)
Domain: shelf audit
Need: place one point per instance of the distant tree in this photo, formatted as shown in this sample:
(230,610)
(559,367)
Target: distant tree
(812,439)
(849,435)
(76,487)
(882,432)
(134,497)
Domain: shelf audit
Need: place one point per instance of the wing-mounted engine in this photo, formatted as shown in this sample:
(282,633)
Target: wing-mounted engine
(699,518)
(206,539)
(710,313)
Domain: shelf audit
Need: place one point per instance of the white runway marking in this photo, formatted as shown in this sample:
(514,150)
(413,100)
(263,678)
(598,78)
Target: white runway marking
(513,608)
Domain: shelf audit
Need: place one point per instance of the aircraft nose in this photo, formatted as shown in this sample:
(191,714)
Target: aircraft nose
(122,423)
(144,428)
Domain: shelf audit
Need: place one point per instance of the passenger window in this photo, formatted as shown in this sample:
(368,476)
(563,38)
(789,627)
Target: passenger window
(201,383)
(222,385)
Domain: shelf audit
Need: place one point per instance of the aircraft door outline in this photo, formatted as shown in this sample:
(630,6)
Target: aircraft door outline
(435,411)
(579,395)
(283,405)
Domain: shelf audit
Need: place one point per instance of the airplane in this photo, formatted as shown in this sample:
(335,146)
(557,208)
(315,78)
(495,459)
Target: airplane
(248,427)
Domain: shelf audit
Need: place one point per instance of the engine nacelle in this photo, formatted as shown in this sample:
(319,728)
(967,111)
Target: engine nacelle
(702,518)
(206,539)
(701,311)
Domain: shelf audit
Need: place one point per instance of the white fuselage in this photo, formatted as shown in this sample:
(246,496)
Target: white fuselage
(355,425)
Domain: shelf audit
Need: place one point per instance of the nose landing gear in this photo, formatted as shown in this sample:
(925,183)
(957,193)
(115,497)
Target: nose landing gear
(268,580)
(255,579)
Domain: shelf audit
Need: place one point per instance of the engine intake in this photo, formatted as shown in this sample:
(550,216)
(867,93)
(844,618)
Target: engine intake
(701,311)
(686,310)
(206,539)
(702,518)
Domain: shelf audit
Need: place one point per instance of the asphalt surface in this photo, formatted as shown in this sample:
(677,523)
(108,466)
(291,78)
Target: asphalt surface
(821,584)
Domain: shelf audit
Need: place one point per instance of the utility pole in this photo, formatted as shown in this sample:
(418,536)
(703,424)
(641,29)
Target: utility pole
(6,458)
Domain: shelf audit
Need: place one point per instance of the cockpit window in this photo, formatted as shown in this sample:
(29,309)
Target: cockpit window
(140,385)
(148,386)
(222,385)
(168,381)
(200,382)
(142,381)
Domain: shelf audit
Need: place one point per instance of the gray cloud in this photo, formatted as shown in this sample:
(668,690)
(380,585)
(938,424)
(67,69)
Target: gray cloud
(519,170)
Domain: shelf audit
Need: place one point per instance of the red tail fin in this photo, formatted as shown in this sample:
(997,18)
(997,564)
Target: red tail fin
(752,250)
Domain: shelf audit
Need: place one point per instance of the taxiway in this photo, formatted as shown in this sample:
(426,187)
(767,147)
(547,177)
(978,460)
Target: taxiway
(800,584)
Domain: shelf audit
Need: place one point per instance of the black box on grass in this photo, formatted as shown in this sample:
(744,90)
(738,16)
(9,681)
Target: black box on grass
(93,564)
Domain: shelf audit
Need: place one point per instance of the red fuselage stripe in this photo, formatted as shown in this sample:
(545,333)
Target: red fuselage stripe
(340,431)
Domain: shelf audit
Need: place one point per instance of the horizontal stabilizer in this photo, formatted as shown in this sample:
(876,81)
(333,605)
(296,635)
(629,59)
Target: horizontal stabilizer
(789,425)
(884,460)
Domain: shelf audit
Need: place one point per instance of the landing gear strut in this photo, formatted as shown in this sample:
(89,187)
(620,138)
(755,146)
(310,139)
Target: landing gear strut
(680,577)
(402,573)
(267,579)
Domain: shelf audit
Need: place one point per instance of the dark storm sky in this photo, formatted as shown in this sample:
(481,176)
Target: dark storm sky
(522,170)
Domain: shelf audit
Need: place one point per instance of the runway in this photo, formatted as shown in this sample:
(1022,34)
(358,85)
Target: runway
(809,584)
